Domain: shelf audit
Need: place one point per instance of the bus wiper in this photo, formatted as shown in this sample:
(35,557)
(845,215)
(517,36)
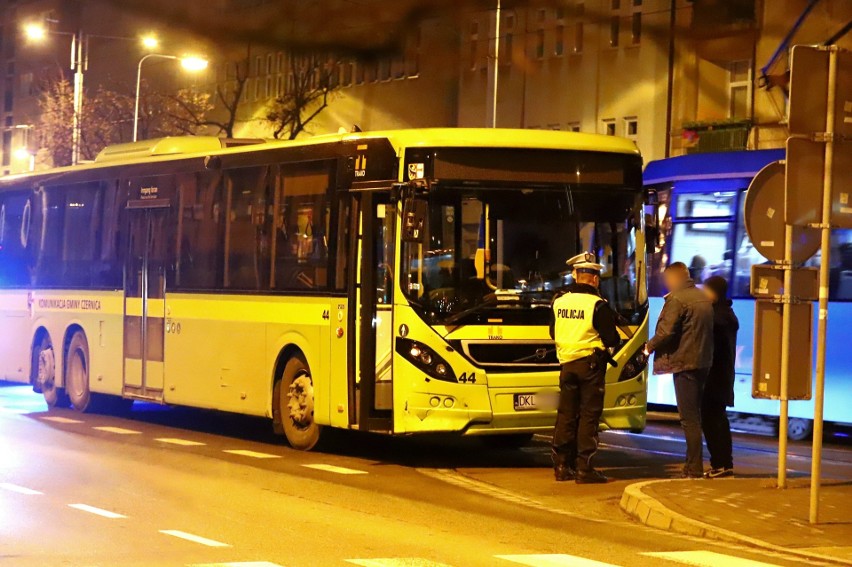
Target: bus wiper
(490,301)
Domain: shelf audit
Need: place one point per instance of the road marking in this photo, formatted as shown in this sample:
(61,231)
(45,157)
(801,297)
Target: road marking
(194,538)
(334,469)
(252,454)
(397,562)
(97,511)
(707,559)
(554,560)
(118,430)
(19,489)
(57,419)
(182,442)
(238,564)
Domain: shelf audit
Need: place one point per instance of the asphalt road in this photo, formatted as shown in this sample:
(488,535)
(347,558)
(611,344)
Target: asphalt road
(178,487)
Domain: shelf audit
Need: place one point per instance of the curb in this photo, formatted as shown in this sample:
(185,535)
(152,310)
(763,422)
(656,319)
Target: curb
(651,512)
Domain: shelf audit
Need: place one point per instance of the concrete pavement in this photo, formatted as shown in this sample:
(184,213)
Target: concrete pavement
(180,487)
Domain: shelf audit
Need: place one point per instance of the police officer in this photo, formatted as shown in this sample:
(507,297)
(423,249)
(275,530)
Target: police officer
(583,327)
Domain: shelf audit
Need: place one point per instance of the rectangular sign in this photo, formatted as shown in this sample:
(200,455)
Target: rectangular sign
(766,376)
(805,178)
(767,282)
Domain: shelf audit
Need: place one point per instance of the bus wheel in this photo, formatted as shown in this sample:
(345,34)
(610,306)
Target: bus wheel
(799,429)
(45,378)
(294,402)
(77,372)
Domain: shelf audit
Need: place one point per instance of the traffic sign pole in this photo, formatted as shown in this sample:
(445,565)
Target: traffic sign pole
(785,357)
(825,263)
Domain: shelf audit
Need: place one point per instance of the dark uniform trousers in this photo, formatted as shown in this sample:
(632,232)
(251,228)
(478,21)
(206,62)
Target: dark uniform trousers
(581,399)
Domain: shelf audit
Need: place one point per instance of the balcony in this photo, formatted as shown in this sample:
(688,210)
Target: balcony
(726,136)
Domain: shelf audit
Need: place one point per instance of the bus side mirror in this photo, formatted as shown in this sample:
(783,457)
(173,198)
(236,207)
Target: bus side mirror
(414,214)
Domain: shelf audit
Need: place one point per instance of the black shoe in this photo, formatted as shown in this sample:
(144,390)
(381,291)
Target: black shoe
(591,476)
(719,473)
(563,473)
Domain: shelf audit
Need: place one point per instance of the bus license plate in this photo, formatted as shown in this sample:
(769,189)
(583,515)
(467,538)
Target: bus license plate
(526,402)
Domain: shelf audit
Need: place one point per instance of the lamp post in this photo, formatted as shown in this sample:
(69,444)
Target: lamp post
(189,63)
(38,32)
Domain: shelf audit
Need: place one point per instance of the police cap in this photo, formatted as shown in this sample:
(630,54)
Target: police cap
(585,263)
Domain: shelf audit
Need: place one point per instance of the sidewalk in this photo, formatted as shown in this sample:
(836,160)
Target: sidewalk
(749,511)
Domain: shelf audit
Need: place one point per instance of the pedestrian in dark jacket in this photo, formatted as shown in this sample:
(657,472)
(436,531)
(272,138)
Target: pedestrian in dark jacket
(683,346)
(719,390)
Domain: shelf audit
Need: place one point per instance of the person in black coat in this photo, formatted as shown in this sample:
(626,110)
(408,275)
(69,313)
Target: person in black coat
(719,389)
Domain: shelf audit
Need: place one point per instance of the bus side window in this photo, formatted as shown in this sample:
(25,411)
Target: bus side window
(248,230)
(301,227)
(107,272)
(81,223)
(199,264)
(14,235)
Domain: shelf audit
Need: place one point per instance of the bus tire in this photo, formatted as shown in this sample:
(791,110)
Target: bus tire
(799,429)
(44,375)
(77,373)
(293,405)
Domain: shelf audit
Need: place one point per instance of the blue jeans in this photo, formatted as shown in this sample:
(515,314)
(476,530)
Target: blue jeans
(689,390)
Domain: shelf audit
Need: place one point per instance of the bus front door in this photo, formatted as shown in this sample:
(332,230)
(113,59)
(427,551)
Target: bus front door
(144,303)
(375,329)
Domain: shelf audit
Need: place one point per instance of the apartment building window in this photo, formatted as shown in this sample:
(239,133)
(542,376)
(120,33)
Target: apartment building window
(559,47)
(7,147)
(258,66)
(542,15)
(616,4)
(26,84)
(631,127)
(579,9)
(614,29)
(636,28)
(509,23)
(359,72)
(578,37)
(637,2)
(608,126)
(573,127)
(739,89)
(560,13)
(539,44)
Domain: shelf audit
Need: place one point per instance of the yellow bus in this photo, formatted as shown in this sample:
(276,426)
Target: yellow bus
(395,282)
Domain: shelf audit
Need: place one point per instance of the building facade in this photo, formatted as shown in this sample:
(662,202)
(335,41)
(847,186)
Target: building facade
(676,76)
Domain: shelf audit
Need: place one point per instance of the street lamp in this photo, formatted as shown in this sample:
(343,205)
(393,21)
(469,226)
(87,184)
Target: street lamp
(190,63)
(150,41)
(37,32)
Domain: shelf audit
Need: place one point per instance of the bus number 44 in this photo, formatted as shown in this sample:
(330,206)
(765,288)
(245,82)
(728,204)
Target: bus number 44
(466,378)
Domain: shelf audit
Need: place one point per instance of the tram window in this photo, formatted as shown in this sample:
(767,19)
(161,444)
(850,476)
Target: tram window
(248,229)
(200,261)
(704,248)
(703,205)
(301,227)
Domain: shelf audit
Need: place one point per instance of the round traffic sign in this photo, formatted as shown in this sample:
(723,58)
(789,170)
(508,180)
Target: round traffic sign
(764,218)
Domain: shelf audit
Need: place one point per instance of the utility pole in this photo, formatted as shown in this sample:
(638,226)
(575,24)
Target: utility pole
(78,64)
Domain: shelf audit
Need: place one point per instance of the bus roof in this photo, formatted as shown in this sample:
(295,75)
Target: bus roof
(710,166)
(178,147)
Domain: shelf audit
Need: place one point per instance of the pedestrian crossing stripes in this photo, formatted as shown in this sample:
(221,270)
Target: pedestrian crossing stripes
(238,564)
(334,469)
(97,511)
(181,442)
(19,489)
(59,419)
(194,538)
(117,430)
(252,454)
(397,562)
(554,560)
(707,559)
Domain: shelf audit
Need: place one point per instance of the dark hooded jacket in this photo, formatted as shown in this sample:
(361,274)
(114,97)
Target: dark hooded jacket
(720,381)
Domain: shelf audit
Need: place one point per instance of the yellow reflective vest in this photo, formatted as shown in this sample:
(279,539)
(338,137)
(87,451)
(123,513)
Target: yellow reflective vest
(573,331)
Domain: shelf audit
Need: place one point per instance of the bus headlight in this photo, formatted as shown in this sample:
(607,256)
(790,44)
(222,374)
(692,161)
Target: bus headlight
(634,365)
(425,359)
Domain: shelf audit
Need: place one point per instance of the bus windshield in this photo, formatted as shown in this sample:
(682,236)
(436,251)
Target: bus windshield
(505,250)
